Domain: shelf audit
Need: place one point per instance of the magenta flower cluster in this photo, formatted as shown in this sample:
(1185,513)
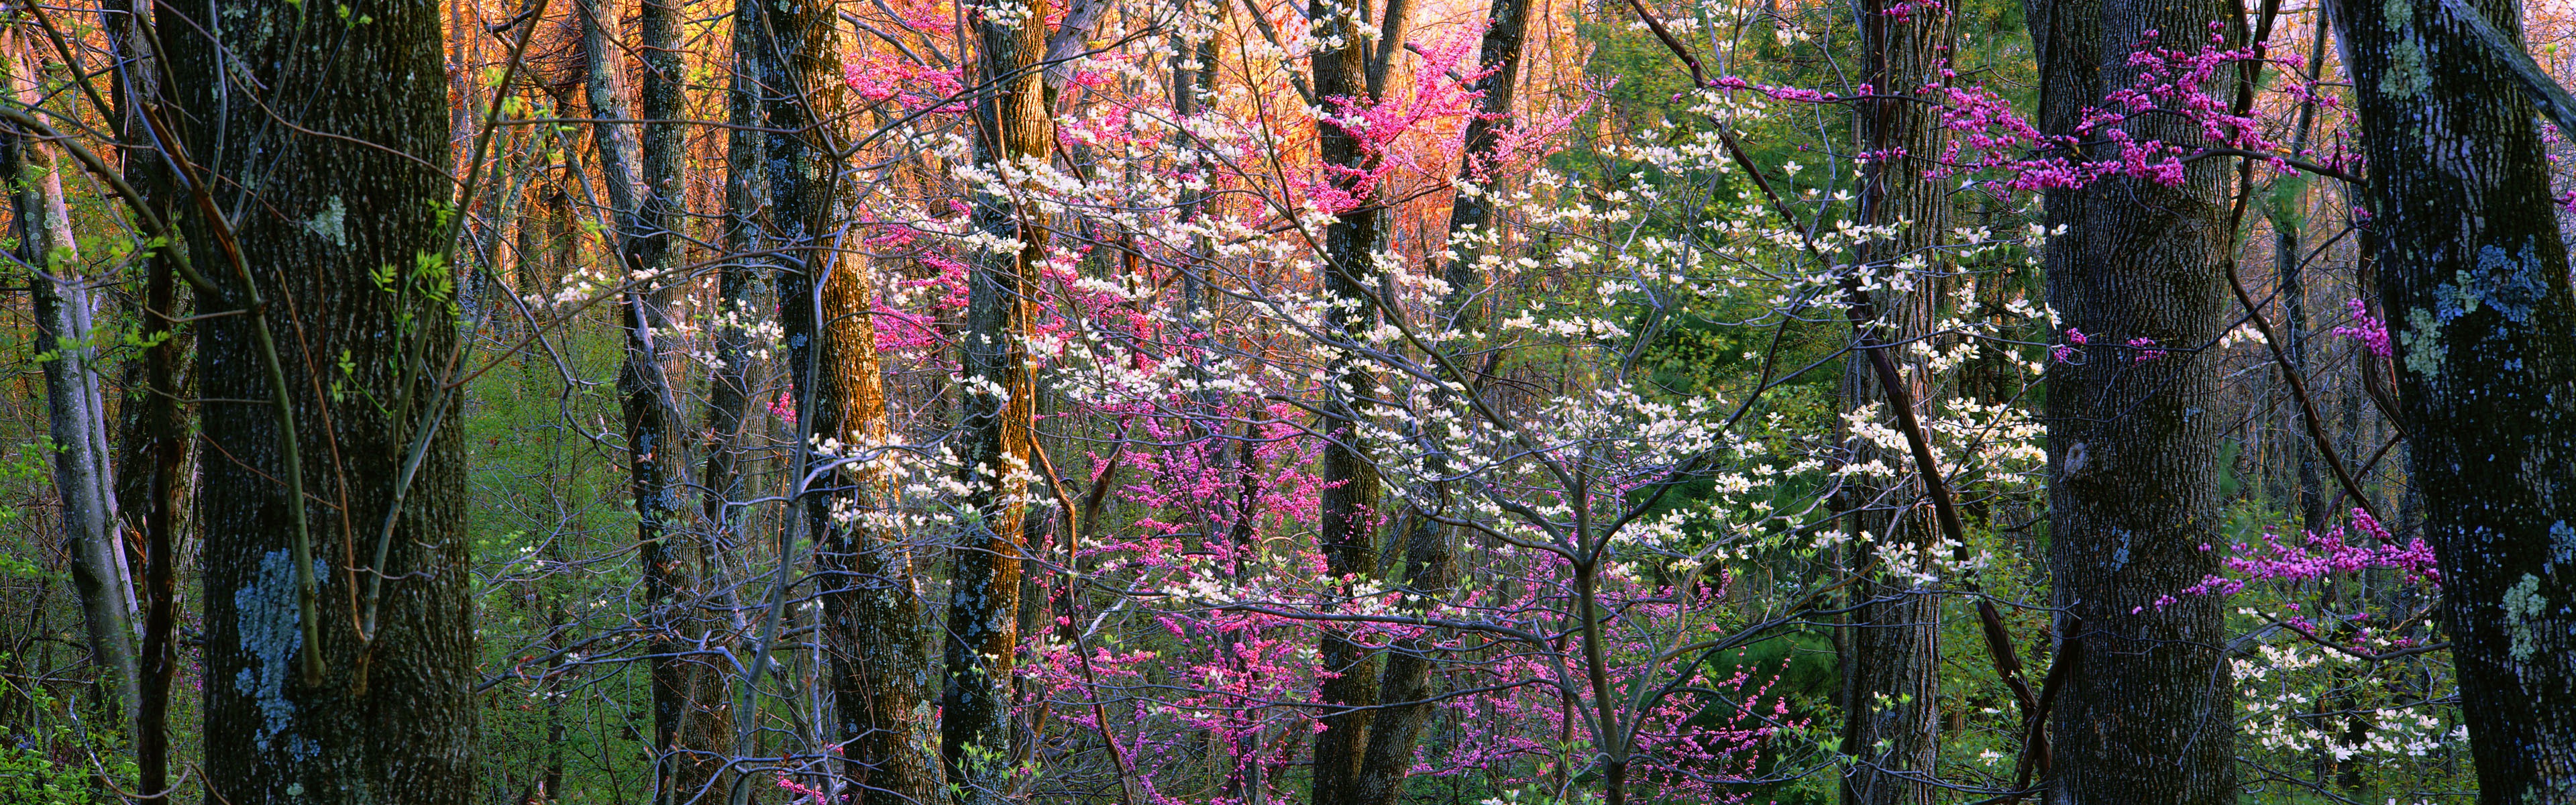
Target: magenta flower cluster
(2367,329)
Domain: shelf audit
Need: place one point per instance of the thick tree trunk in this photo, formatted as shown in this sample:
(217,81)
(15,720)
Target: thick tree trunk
(676,560)
(75,407)
(1891,654)
(1350,497)
(2133,450)
(872,610)
(364,357)
(1890,674)
(2473,279)
(1013,128)
(737,285)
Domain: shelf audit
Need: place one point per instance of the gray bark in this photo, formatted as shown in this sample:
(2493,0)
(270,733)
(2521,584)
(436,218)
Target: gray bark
(1350,500)
(2133,444)
(2473,278)
(76,410)
(312,221)
(1013,125)
(1891,653)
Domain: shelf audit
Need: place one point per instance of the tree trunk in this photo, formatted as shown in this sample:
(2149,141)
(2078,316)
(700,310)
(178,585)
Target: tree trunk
(75,407)
(363,357)
(737,284)
(164,432)
(1350,496)
(1013,129)
(1890,679)
(728,395)
(155,449)
(647,207)
(872,610)
(1891,724)
(2473,279)
(1405,685)
(2133,450)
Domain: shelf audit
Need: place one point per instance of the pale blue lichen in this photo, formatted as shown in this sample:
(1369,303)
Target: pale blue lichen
(2508,283)
(2562,544)
(270,633)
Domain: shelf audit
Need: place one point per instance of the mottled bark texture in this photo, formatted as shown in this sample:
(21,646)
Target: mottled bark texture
(1891,652)
(2473,276)
(737,286)
(1350,497)
(1405,686)
(1012,126)
(75,406)
(341,235)
(2132,435)
(880,672)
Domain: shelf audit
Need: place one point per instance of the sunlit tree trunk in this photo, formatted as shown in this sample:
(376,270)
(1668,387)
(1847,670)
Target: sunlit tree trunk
(2473,278)
(2133,446)
(873,627)
(1014,133)
(340,238)
(75,407)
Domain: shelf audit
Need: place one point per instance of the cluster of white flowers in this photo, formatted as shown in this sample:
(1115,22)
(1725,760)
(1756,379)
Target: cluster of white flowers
(2282,686)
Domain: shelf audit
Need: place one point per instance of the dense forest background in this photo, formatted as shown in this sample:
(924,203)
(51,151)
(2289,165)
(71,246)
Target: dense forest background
(1884,402)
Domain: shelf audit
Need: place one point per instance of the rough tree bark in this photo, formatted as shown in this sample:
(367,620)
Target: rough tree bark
(2133,449)
(721,484)
(873,626)
(162,428)
(1012,131)
(339,236)
(1891,652)
(1405,685)
(2473,276)
(737,285)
